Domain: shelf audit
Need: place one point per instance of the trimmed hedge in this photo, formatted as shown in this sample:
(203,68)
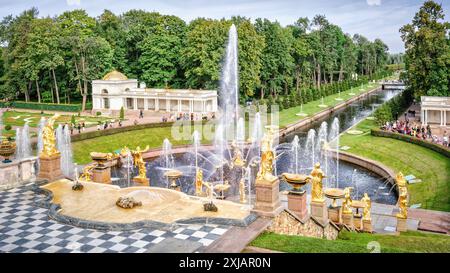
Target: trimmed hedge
(46,106)
(435,147)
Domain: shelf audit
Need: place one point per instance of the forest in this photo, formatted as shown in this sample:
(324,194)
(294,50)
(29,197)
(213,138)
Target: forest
(53,60)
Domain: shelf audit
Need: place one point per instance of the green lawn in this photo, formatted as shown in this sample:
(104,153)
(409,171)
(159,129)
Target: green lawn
(288,116)
(153,137)
(348,242)
(433,168)
(17,118)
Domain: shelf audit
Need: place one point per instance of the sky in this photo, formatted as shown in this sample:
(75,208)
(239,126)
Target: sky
(371,18)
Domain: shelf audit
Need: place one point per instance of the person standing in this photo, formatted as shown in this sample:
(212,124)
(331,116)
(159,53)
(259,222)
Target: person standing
(141,114)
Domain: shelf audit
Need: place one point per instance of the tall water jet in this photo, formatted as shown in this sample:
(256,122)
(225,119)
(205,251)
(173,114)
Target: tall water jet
(64,146)
(19,144)
(322,147)
(310,145)
(229,91)
(23,144)
(196,143)
(257,131)
(240,131)
(295,147)
(167,154)
(334,137)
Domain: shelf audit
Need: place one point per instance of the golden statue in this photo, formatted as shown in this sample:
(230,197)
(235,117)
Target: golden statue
(400,180)
(199,182)
(368,203)
(317,175)
(49,138)
(237,159)
(403,202)
(267,157)
(87,173)
(347,204)
(140,164)
(242,190)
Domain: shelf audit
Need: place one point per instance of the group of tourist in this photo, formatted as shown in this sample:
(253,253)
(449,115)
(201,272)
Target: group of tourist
(185,116)
(80,126)
(416,130)
(108,124)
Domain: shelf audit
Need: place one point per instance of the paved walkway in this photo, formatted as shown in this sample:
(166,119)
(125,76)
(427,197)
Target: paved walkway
(26,228)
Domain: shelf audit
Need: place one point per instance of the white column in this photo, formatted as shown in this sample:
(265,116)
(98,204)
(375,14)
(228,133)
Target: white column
(179,105)
(145,104)
(168,105)
(135,103)
(442,118)
(425,118)
(191,106)
(156,104)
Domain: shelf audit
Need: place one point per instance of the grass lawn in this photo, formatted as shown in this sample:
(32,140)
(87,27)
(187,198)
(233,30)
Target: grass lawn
(288,116)
(153,137)
(348,242)
(433,168)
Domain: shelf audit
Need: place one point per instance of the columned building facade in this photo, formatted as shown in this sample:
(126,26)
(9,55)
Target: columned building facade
(435,110)
(115,91)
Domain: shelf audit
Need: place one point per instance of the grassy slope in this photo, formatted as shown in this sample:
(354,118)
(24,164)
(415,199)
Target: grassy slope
(411,241)
(288,116)
(433,168)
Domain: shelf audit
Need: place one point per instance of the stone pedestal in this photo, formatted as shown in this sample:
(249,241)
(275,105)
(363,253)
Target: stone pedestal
(101,174)
(267,197)
(335,214)
(297,204)
(50,167)
(319,211)
(347,219)
(401,224)
(367,225)
(143,181)
(357,221)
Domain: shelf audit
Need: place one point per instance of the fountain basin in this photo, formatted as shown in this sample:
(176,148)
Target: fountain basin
(334,194)
(96,203)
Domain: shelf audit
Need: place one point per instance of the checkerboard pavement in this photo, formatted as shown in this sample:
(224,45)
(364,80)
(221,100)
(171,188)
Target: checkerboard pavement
(26,228)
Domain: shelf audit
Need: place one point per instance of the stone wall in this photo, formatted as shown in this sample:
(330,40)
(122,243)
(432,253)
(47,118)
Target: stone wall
(16,173)
(287,223)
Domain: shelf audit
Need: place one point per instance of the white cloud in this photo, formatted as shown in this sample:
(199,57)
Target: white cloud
(373,2)
(73,2)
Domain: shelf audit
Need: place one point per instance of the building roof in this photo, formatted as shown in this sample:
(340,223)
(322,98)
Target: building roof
(115,76)
(435,102)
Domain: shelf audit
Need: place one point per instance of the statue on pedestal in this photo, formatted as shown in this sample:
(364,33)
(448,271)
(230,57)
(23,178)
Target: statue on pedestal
(347,204)
(237,159)
(140,164)
(317,176)
(242,190)
(49,138)
(368,203)
(267,157)
(403,202)
(199,182)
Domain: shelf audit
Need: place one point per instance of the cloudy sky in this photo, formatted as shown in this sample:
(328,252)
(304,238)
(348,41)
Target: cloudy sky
(371,18)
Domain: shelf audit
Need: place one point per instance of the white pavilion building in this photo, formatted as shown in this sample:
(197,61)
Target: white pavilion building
(115,90)
(435,110)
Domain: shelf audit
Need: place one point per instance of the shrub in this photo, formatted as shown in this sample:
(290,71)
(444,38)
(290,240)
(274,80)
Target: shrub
(383,114)
(72,120)
(98,113)
(8,127)
(122,113)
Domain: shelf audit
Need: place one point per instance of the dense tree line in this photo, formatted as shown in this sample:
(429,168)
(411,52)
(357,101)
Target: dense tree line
(427,56)
(55,59)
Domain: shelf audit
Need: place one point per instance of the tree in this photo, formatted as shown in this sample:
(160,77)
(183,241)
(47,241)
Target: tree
(427,58)
(159,61)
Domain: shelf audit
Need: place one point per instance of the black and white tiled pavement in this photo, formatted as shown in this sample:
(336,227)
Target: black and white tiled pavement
(26,228)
